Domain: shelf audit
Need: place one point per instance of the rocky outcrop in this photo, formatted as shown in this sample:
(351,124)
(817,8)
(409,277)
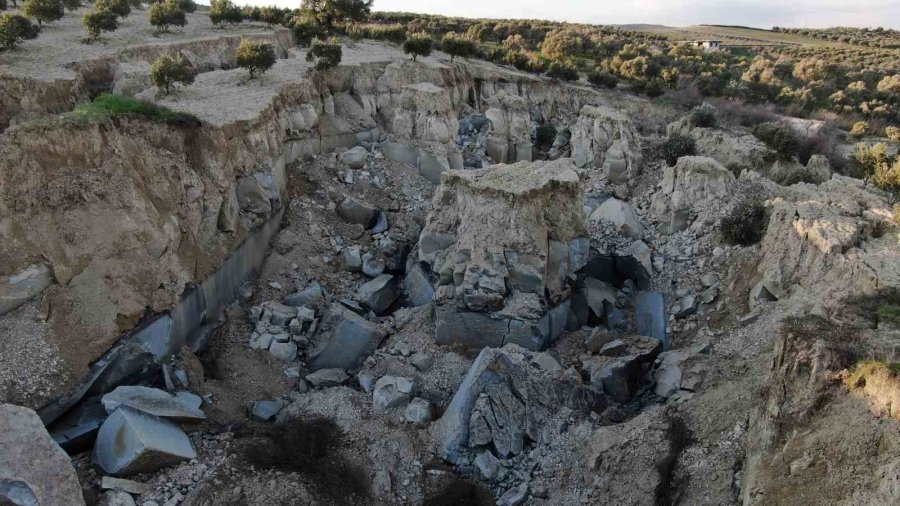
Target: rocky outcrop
(695,186)
(499,244)
(33,468)
(605,138)
(509,137)
(506,399)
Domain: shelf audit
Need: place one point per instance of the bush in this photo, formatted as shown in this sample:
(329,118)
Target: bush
(418,44)
(305,32)
(44,11)
(164,15)
(71,5)
(328,13)
(704,116)
(599,77)
(222,12)
(545,135)
(654,88)
(14,28)
(892,133)
(98,21)
(326,55)
(188,6)
(859,129)
(887,178)
(457,45)
(120,8)
(257,57)
(677,146)
(868,161)
(564,71)
(167,71)
(745,224)
(778,137)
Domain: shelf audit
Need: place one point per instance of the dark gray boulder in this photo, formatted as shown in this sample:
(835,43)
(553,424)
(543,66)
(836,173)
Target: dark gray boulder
(378,294)
(417,285)
(131,442)
(345,341)
(76,430)
(650,316)
(310,296)
(354,211)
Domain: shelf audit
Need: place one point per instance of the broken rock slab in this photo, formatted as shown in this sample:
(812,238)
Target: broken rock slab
(392,391)
(264,411)
(34,470)
(345,341)
(131,442)
(620,377)
(327,378)
(650,316)
(484,412)
(77,429)
(181,406)
(621,216)
(378,294)
(352,210)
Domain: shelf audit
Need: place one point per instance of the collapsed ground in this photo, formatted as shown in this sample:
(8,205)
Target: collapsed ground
(608,413)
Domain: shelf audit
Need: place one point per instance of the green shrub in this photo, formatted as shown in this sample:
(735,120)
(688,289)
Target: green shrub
(168,70)
(418,44)
(677,146)
(654,88)
(107,106)
(887,178)
(305,31)
(188,6)
(599,77)
(326,55)
(257,57)
(745,224)
(97,21)
(120,8)
(223,12)
(890,314)
(14,28)
(167,14)
(779,137)
(71,5)
(44,11)
(562,70)
(457,45)
(704,116)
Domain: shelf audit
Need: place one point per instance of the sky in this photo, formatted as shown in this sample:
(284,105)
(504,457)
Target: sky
(759,13)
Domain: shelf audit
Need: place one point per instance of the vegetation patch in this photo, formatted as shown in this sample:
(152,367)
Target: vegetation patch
(677,146)
(108,106)
(746,224)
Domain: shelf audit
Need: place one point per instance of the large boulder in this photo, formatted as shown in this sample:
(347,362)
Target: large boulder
(131,441)
(34,470)
(346,339)
(378,294)
(605,138)
(425,113)
(506,398)
(501,243)
(622,217)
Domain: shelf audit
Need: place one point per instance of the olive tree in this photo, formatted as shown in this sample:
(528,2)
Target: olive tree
(329,12)
(97,21)
(167,14)
(44,11)
(222,12)
(168,70)
(257,57)
(457,45)
(418,44)
(14,28)
(120,8)
(326,55)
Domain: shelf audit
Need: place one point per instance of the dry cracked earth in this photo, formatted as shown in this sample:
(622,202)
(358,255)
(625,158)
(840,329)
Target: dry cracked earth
(387,284)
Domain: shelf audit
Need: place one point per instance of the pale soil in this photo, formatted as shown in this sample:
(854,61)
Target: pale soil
(51,55)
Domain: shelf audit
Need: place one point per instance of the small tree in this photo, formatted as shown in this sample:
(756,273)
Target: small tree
(120,8)
(328,12)
(457,45)
(167,71)
(418,44)
(14,28)
(326,55)
(779,137)
(167,14)
(98,21)
(868,161)
(71,5)
(188,6)
(257,57)
(222,12)
(44,11)
(305,31)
